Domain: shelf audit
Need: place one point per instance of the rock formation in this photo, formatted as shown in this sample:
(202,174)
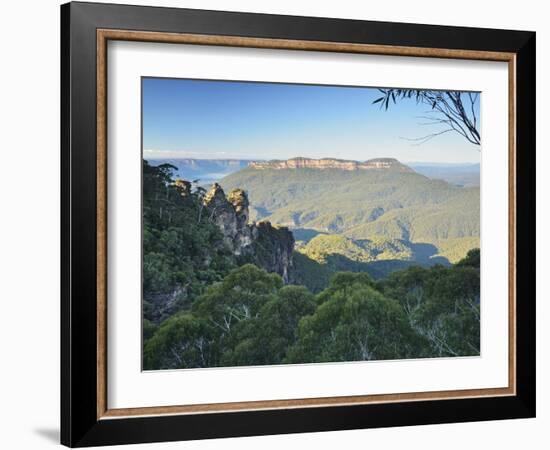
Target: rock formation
(223,214)
(260,243)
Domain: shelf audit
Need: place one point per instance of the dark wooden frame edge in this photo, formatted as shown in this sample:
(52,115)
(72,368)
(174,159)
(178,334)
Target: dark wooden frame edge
(79,423)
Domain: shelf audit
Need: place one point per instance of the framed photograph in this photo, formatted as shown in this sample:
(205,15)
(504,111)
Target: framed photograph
(276,224)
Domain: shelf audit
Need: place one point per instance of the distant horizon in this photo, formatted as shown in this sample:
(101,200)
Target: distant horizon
(435,163)
(207,119)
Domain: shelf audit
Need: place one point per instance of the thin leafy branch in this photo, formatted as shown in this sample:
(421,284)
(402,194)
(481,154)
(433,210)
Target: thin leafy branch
(455,110)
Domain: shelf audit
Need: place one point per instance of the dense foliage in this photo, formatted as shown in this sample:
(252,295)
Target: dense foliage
(205,307)
(182,250)
(251,318)
(326,254)
(442,305)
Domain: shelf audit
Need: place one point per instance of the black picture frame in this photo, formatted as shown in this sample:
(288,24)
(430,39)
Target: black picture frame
(80,425)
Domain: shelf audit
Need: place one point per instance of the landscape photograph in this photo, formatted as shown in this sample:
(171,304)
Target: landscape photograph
(297,223)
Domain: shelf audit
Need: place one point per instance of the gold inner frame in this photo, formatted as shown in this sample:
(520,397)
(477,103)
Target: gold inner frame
(104,35)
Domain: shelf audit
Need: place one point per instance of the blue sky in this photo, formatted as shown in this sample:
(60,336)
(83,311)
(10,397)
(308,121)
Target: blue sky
(242,120)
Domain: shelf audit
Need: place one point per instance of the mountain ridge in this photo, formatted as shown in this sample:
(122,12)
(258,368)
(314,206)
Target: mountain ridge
(331,163)
(365,204)
(210,170)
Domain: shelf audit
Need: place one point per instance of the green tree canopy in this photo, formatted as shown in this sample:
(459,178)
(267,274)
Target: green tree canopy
(441,305)
(181,342)
(181,253)
(238,297)
(354,322)
(472,259)
(266,338)
(250,318)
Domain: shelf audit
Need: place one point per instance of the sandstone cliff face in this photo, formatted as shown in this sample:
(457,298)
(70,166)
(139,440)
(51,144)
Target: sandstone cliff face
(330,163)
(260,243)
(223,214)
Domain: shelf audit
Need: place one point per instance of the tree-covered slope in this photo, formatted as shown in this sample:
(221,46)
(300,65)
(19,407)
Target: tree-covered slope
(221,291)
(251,318)
(193,238)
(366,204)
(326,254)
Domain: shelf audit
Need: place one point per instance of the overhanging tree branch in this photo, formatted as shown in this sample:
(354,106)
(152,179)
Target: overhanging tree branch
(456,110)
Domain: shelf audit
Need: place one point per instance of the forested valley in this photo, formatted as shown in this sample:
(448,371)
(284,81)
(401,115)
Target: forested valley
(221,290)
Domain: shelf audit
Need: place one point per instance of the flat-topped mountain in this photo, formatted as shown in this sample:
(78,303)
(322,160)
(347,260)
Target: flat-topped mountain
(210,170)
(332,163)
(389,201)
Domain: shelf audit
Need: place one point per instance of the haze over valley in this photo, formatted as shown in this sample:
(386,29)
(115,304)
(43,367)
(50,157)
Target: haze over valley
(210,170)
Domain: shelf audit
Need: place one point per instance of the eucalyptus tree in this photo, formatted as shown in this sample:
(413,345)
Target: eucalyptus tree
(454,111)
